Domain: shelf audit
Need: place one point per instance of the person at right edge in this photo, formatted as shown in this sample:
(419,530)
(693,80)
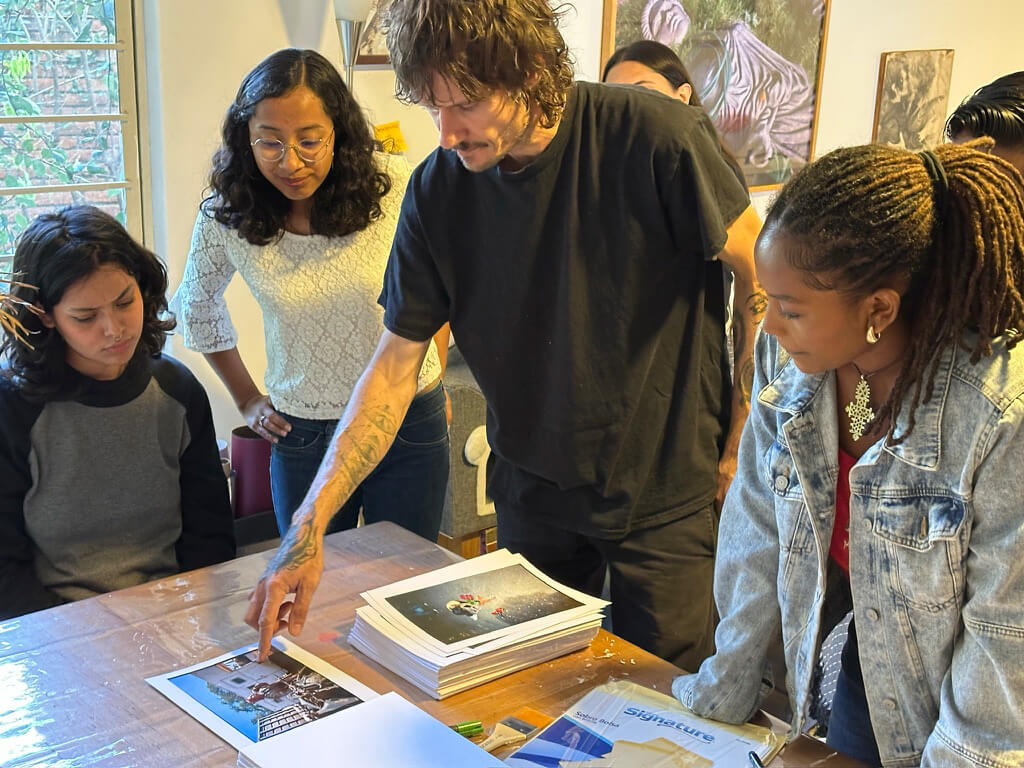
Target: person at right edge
(995,110)
(880,469)
(569,232)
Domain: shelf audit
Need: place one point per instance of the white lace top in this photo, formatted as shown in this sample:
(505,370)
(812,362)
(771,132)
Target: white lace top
(319,301)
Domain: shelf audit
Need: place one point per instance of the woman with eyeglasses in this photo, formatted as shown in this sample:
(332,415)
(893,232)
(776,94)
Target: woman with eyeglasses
(304,209)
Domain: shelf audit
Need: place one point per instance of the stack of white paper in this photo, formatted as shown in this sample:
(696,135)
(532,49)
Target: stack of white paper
(459,626)
(386,732)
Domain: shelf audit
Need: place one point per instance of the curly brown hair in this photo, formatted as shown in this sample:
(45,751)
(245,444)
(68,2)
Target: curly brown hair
(481,46)
(349,198)
(861,216)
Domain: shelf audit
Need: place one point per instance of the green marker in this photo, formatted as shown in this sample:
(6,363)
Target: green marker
(468,728)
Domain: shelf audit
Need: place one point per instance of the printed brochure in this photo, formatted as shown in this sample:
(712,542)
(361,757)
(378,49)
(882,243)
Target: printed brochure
(623,725)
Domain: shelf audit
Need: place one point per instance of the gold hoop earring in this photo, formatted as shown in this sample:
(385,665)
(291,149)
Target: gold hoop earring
(873,336)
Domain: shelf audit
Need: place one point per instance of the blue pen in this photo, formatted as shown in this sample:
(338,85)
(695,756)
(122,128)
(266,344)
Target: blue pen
(755,761)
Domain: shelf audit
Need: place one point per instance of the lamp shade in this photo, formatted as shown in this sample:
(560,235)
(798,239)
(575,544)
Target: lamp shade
(353,10)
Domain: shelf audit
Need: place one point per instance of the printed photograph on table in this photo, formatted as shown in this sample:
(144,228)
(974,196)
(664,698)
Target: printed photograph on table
(244,701)
(475,605)
(373,48)
(913,91)
(755,65)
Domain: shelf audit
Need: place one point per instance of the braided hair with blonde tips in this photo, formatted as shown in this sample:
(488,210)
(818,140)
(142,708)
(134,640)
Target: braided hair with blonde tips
(863,218)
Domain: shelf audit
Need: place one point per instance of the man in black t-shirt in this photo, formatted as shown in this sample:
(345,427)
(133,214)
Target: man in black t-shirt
(569,233)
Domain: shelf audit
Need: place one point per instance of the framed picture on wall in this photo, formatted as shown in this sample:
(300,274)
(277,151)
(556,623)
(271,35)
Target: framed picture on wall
(913,93)
(373,49)
(755,67)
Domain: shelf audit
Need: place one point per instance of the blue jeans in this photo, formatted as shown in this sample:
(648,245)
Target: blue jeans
(849,725)
(408,487)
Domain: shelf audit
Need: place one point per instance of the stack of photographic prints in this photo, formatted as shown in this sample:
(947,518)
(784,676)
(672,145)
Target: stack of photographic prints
(468,623)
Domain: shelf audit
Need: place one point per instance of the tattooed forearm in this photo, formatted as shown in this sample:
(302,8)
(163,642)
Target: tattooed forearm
(300,547)
(369,444)
(364,442)
(364,434)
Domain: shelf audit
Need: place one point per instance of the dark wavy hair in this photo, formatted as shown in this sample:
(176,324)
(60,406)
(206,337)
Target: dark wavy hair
(349,197)
(56,251)
(995,110)
(665,62)
(481,46)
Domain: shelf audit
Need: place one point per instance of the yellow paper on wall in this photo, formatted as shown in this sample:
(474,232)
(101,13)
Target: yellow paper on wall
(390,137)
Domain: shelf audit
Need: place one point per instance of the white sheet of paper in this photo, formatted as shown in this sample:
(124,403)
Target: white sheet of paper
(386,732)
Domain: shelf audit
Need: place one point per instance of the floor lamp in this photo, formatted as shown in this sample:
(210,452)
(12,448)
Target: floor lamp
(351,17)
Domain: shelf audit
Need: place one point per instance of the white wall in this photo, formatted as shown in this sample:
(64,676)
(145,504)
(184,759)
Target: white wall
(197,52)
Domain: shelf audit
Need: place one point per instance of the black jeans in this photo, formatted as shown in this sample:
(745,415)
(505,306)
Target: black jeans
(661,577)
(849,726)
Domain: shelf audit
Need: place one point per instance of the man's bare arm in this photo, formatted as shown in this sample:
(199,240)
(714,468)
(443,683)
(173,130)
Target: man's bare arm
(365,433)
(748,310)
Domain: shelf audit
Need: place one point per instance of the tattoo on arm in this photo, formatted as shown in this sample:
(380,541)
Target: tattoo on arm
(745,378)
(301,549)
(757,304)
(365,443)
(370,436)
(743,370)
(743,329)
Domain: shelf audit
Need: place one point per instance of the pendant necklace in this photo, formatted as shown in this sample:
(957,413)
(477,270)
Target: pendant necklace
(859,409)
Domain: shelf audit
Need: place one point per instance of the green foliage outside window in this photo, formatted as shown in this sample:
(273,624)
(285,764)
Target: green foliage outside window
(38,82)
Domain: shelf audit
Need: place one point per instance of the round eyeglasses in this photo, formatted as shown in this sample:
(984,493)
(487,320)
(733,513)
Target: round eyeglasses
(309,151)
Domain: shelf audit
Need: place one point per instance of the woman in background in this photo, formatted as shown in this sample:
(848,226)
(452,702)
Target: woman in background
(655,66)
(109,470)
(995,110)
(880,469)
(305,210)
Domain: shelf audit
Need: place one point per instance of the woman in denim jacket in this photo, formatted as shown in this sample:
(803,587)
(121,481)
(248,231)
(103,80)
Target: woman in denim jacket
(883,460)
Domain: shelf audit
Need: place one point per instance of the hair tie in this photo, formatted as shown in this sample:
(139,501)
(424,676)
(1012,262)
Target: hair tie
(937,173)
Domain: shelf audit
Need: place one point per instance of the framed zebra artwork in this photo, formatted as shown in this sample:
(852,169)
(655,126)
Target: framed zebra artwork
(755,66)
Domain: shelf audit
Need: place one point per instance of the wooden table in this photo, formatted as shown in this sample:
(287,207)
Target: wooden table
(73,693)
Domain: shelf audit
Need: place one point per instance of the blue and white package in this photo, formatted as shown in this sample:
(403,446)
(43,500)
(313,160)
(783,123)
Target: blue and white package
(621,724)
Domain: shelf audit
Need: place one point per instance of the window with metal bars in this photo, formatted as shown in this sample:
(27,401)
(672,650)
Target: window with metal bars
(68,118)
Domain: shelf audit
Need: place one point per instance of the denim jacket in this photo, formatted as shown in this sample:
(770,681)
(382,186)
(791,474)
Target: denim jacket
(936,561)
